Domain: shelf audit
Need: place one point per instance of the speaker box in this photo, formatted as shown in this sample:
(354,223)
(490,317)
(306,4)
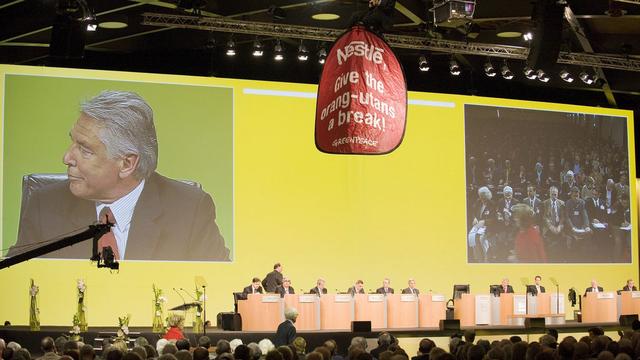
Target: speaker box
(450,324)
(229,321)
(361,326)
(547,34)
(534,323)
(627,320)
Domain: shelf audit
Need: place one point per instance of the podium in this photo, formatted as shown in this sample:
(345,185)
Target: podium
(371,307)
(261,312)
(308,306)
(402,311)
(629,302)
(336,312)
(464,309)
(539,304)
(431,309)
(600,307)
(501,309)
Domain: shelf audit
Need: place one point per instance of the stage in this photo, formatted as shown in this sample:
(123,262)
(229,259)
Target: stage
(31,339)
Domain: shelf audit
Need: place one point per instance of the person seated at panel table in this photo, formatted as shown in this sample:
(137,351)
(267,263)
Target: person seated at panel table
(594,287)
(412,288)
(505,287)
(385,289)
(319,289)
(254,288)
(358,288)
(631,286)
(285,288)
(536,288)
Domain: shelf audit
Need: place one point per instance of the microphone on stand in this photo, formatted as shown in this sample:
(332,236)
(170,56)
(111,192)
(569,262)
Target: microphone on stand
(188,294)
(184,303)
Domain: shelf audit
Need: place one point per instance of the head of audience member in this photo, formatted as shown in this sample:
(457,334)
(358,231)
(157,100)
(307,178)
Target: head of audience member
(234,344)
(519,350)
(575,193)
(507,192)
(170,348)
(141,341)
(291,314)
(204,341)
(609,185)
(183,344)
(320,284)
(242,352)
(367,356)
(151,351)
(88,353)
(255,283)
(568,177)
(184,355)
(274,355)
(256,352)
(475,352)
(384,339)
(113,354)
(359,285)
(548,341)
(313,356)
(425,346)
(531,191)
(201,353)
(47,345)
(360,341)
(160,345)
(523,215)
(176,320)
(386,355)
(553,193)
(286,352)
(533,350)
(581,351)
(605,355)
(354,351)
(265,346)
(565,349)
(167,357)
(223,346)
(300,344)
(117,128)
(484,194)
(437,353)
(130,355)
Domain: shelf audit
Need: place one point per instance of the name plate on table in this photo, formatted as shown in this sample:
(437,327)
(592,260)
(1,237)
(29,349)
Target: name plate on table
(437,298)
(308,298)
(376,297)
(407,297)
(270,298)
(604,295)
(343,298)
(635,294)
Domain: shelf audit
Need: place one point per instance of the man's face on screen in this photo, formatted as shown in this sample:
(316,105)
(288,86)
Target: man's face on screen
(93,175)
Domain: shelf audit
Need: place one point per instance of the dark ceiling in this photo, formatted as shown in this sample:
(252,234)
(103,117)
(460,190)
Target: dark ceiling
(26,33)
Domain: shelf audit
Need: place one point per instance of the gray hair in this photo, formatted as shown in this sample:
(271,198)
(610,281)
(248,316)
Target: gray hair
(359,341)
(291,314)
(485,193)
(126,127)
(256,353)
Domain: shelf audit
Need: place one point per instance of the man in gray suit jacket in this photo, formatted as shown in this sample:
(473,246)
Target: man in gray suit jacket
(412,288)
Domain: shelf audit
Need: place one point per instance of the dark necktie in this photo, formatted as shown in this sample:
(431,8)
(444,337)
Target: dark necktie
(108,239)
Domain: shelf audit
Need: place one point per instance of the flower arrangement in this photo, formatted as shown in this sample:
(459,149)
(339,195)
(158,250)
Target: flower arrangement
(158,301)
(123,331)
(74,333)
(198,324)
(81,312)
(34,312)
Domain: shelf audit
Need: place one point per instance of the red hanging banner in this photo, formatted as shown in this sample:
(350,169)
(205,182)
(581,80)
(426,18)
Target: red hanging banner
(362,97)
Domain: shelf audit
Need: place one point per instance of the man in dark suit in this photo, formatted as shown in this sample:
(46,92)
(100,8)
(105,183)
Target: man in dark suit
(358,288)
(533,201)
(412,288)
(319,289)
(385,289)
(286,288)
(536,288)
(254,288)
(111,176)
(577,219)
(424,348)
(49,349)
(594,287)
(553,220)
(630,286)
(384,341)
(273,279)
(286,330)
(505,287)
(596,208)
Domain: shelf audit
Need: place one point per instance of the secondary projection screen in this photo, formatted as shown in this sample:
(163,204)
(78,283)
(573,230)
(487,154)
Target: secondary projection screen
(546,186)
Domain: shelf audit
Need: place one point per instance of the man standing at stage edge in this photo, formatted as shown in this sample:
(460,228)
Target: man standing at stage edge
(273,279)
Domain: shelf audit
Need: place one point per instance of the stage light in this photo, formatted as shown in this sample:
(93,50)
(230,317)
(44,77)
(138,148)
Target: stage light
(506,72)
(303,53)
(528,36)
(322,55)
(489,70)
(231,48)
(566,76)
(529,73)
(257,49)
(454,68)
(586,78)
(423,64)
(453,13)
(542,76)
(278,52)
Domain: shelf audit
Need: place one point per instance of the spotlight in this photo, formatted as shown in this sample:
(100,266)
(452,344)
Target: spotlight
(278,52)
(423,64)
(257,49)
(231,48)
(586,78)
(303,53)
(322,55)
(454,68)
(529,73)
(542,76)
(528,36)
(566,76)
(489,70)
(506,72)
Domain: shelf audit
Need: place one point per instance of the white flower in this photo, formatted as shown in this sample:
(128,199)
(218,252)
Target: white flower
(81,285)
(198,313)
(162,299)
(33,290)
(84,308)
(75,329)
(159,313)
(203,298)
(125,329)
